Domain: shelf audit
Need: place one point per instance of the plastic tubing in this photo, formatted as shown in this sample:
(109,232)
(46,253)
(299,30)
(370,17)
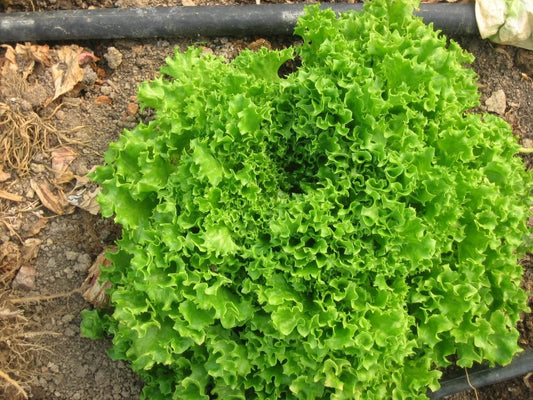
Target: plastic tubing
(199,21)
(521,365)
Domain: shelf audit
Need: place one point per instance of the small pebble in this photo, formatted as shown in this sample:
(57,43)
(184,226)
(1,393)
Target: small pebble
(25,278)
(113,57)
(497,102)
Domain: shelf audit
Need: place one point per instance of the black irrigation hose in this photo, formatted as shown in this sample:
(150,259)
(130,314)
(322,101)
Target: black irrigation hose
(201,21)
(521,365)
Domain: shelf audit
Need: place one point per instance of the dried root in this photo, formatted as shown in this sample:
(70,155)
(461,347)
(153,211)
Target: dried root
(23,134)
(20,347)
(20,392)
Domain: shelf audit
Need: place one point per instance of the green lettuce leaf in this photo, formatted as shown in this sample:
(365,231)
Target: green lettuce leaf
(339,232)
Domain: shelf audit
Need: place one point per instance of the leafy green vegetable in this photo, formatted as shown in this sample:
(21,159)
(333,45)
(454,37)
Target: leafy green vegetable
(337,233)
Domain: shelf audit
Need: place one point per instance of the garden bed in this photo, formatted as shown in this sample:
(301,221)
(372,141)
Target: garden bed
(50,234)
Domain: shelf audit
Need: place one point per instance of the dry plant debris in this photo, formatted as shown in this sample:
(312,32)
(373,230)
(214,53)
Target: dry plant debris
(94,291)
(20,346)
(35,159)
(23,134)
(10,261)
(67,72)
(22,58)
(55,202)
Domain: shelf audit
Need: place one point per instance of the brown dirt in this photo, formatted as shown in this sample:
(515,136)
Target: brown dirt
(76,368)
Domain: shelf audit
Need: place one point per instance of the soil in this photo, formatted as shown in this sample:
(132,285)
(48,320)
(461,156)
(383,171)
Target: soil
(56,251)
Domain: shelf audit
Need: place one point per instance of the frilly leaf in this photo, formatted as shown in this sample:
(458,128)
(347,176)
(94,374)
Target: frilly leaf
(335,233)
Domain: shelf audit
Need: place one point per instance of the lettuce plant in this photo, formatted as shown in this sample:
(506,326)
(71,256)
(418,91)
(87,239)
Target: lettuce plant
(337,233)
